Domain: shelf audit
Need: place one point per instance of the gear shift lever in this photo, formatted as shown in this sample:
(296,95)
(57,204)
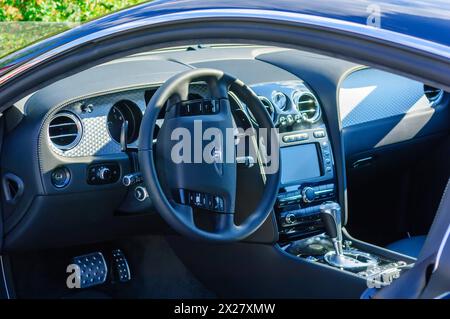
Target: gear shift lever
(330,212)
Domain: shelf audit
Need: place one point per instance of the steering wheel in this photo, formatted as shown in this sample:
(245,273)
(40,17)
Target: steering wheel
(182,173)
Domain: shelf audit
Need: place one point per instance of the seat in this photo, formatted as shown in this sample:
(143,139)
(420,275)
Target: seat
(408,246)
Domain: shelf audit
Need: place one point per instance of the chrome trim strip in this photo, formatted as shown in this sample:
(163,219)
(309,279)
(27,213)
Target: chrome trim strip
(4,277)
(298,18)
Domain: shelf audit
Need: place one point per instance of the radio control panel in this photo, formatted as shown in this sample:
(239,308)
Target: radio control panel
(308,194)
(298,210)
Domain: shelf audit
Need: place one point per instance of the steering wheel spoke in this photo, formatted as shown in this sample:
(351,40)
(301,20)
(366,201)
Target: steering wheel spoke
(225,224)
(185,212)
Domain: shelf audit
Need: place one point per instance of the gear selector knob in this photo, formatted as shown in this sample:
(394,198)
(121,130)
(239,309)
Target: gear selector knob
(330,213)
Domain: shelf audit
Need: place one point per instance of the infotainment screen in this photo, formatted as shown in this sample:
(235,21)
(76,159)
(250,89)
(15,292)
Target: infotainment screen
(299,163)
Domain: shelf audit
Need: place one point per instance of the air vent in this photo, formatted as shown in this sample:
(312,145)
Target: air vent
(65,130)
(307,106)
(267,104)
(433,95)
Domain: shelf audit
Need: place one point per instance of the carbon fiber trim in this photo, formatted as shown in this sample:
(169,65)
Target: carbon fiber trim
(96,140)
(368,95)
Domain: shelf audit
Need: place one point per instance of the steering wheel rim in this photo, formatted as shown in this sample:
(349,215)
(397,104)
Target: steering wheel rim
(180,216)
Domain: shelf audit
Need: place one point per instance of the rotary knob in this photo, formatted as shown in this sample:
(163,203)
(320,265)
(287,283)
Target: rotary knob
(290,119)
(104,173)
(140,193)
(308,194)
(290,218)
(282,121)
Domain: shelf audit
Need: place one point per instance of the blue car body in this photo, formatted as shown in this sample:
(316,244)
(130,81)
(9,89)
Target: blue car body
(429,21)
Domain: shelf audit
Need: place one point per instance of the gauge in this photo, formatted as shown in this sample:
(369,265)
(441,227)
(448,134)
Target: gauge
(279,99)
(120,112)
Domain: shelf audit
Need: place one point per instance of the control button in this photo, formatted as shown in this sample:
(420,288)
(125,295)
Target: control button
(99,174)
(60,177)
(281,196)
(140,193)
(309,194)
(289,120)
(198,107)
(131,179)
(218,204)
(319,134)
(104,173)
(325,145)
(301,137)
(295,137)
(203,200)
(197,199)
(282,121)
(86,108)
(328,169)
(290,218)
(210,107)
(297,118)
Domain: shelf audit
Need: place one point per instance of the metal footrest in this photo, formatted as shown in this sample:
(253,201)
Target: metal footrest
(93,269)
(120,268)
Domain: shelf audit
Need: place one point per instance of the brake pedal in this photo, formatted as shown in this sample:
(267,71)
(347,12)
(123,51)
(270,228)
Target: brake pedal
(93,269)
(120,269)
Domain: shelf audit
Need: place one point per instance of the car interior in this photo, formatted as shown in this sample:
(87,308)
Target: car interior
(87,178)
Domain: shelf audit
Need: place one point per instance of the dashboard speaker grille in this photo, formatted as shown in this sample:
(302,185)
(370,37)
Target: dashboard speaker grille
(433,95)
(65,130)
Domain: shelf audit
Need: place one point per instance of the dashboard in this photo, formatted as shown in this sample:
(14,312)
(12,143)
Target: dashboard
(67,177)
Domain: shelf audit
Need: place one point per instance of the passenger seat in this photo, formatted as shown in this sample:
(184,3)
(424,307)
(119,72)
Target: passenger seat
(409,246)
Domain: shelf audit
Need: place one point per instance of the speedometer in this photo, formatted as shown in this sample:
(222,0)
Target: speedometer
(120,112)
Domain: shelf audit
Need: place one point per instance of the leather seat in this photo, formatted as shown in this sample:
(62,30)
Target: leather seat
(408,246)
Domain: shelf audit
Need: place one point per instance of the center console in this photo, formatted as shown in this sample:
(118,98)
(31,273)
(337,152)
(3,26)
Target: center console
(307,166)
(307,209)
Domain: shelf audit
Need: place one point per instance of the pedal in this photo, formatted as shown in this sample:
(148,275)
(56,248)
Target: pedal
(120,268)
(93,269)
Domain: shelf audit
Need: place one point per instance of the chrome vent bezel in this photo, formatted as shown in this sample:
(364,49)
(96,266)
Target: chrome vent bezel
(79,130)
(318,113)
(436,97)
(267,105)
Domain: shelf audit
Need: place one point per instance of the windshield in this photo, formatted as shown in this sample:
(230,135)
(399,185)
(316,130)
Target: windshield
(25,22)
